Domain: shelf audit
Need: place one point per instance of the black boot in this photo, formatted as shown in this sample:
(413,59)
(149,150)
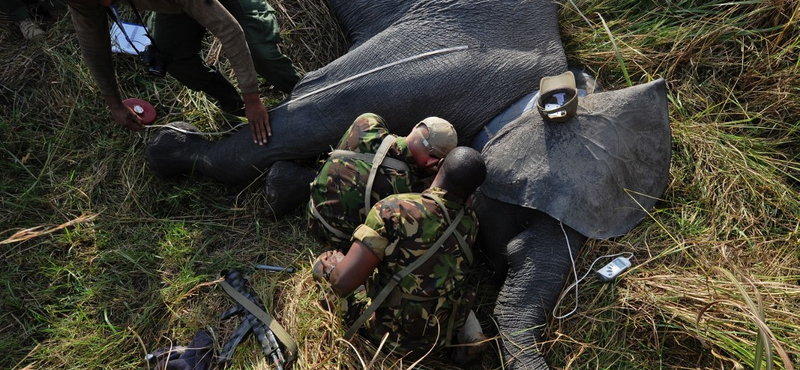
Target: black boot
(228,98)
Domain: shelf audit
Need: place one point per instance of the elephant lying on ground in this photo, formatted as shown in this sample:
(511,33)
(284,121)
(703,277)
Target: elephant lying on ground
(490,53)
(598,174)
(466,61)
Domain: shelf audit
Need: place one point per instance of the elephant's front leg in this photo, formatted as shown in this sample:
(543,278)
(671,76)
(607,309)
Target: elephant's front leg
(539,264)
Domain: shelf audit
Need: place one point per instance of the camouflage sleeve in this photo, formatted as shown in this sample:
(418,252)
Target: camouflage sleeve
(372,239)
(361,135)
(373,232)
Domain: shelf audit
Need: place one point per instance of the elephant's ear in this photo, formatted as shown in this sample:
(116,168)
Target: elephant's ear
(598,173)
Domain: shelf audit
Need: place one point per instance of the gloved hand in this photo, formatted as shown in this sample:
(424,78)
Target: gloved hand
(196,356)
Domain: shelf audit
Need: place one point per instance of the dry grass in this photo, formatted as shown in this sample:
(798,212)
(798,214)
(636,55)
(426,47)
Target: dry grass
(102,262)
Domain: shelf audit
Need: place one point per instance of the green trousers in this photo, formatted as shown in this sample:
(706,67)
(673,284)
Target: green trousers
(179,38)
(17,10)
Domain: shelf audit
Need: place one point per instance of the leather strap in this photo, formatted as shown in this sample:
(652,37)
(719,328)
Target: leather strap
(368,157)
(376,302)
(283,336)
(380,155)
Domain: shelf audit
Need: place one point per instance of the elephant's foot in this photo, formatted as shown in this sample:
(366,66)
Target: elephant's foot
(171,152)
(287,187)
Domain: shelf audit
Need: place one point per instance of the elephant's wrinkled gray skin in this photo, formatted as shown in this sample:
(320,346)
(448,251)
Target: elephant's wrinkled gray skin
(597,173)
(511,46)
(535,248)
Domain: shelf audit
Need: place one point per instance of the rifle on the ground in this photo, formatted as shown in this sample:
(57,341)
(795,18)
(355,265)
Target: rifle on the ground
(255,320)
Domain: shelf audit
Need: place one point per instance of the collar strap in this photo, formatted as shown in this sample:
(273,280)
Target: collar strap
(558,97)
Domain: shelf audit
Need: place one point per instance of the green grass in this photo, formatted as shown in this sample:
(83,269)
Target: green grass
(134,270)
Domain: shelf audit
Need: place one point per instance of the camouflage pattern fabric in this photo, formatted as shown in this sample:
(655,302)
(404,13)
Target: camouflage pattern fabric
(338,190)
(399,229)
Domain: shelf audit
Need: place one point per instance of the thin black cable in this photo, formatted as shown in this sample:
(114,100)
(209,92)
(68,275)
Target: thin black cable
(114,14)
(141,20)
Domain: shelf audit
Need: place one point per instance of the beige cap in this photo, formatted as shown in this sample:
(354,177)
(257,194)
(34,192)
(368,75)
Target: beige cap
(442,137)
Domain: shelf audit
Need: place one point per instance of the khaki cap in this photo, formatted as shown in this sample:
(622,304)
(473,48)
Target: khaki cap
(442,137)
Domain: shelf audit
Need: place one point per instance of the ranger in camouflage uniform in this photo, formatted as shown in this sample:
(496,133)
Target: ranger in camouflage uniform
(337,203)
(431,302)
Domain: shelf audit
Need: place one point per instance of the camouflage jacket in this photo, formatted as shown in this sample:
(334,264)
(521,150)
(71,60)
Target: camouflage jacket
(399,229)
(338,190)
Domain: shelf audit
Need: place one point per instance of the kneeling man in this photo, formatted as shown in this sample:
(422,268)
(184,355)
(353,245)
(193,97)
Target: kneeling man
(420,245)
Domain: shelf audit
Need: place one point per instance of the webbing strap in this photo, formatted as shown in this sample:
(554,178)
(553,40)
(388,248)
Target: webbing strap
(459,238)
(324,223)
(451,322)
(376,302)
(368,157)
(283,336)
(464,247)
(380,155)
(467,254)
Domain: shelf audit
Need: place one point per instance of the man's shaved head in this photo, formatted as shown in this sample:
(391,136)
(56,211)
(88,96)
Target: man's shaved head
(463,171)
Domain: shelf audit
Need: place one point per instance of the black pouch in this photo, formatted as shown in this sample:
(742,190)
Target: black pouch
(152,59)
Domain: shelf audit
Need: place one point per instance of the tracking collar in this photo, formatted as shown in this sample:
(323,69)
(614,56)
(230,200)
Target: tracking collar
(558,97)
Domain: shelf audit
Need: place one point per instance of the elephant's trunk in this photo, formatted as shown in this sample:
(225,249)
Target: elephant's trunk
(538,267)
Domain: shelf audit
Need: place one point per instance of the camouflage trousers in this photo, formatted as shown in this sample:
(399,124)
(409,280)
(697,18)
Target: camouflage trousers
(322,233)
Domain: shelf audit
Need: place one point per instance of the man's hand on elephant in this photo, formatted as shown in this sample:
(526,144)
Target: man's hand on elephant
(122,114)
(257,115)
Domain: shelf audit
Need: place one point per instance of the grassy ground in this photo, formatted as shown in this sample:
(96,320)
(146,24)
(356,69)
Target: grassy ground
(102,262)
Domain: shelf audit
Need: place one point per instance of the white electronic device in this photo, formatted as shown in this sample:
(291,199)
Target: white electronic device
(613,269)
(556,114)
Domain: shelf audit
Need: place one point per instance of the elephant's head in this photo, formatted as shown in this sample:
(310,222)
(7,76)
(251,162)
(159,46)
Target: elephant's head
(598,173)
